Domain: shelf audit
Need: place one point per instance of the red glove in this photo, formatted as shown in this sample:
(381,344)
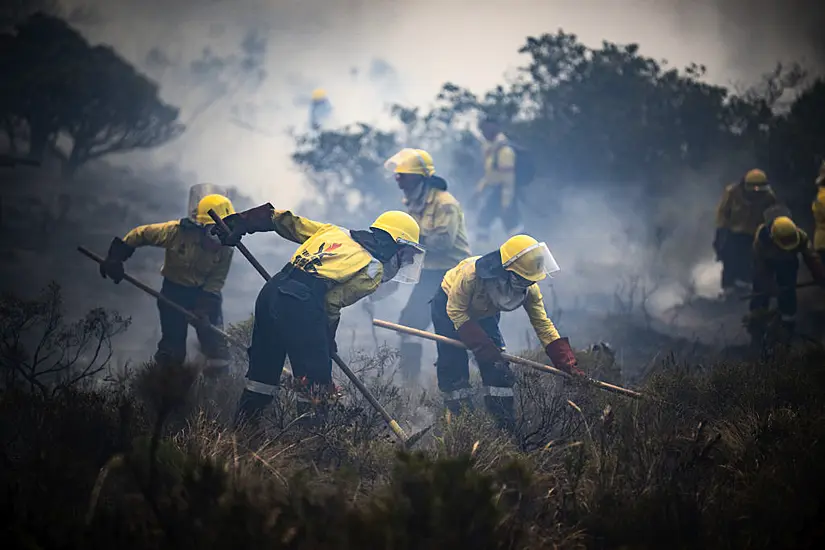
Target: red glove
(561,354)
(480,343)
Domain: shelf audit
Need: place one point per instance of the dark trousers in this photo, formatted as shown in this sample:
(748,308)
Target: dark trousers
(737,259)
(452,365)
(416,314)
(491,210)
(777,275)
(291,321)
(174,326)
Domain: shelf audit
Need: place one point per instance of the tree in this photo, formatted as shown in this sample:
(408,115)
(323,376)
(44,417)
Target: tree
(43,352)
(606,118)
(64,85)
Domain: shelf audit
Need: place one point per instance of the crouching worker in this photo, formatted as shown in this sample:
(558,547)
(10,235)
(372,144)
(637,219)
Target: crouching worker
(777,247)
(194,272)
(298,310)
(468,307)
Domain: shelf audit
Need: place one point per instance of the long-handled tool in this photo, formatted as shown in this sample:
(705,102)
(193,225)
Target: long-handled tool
(399,432)
(193,319)
(512,358)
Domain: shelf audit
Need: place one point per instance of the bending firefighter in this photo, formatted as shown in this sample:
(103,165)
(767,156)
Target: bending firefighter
(776,248)
(497,189)
(194,272)
(468,307)
(738,215)
(298,310)
(444,234)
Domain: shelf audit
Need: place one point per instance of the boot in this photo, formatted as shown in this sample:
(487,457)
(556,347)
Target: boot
(250,408)
(457,406)
(503,411)
(410,362)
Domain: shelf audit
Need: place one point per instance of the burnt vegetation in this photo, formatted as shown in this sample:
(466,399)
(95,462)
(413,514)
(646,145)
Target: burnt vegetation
(725,453)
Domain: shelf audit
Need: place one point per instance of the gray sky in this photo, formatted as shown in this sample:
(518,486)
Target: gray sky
(317,42)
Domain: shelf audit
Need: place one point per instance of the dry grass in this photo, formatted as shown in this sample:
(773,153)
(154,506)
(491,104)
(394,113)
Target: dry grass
(732,461)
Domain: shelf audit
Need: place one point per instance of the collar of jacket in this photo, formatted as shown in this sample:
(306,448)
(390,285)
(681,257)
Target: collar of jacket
(382,249)
(189,225)
(489,266)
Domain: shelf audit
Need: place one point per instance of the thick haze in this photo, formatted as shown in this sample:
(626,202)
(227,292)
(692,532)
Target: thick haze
(237,124)
(242,70)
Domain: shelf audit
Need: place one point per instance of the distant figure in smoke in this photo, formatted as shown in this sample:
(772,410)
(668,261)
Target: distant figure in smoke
(818,207)
(444,234)
(194,272)
(297,311)
(320,109)
(777,246)
(468,307)
(497,189)
(738,215)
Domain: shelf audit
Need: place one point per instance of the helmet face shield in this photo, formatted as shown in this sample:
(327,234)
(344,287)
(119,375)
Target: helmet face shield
(410,161)
(534,263)
(410,258)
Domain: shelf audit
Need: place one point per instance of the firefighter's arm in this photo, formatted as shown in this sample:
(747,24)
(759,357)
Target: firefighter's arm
(506,174)
(360,285)
(812,261)
(265,218)
(155,234)
(446,222)
(217,277)
(294,228)
(544,327)
(723,211)
(458,300)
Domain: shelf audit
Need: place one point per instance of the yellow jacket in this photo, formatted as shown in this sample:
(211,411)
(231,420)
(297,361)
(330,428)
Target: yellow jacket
(739,212)
(467,299)
(187,262)
(818,207)
(499,168)
(442,227)
(329,252)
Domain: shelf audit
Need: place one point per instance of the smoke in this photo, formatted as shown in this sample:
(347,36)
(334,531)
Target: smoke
(242,70)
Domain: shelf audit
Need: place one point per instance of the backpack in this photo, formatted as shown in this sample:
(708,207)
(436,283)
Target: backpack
(525,165)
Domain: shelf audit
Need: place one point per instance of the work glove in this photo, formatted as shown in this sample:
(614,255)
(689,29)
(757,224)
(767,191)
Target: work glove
(480,343)
(112,266)
(562,357)
(250,221)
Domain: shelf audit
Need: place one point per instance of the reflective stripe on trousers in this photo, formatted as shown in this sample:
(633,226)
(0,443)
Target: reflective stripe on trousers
(494,391)
(455,395)
(261,388)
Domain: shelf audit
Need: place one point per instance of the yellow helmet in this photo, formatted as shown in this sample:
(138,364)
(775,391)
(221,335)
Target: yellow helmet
(785,233)
(319,94)
(220,204)
(527,258)
(756,179)
(411,161)
(401,226)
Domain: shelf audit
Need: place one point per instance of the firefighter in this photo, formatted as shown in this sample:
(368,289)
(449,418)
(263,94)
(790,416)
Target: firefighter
(818,207)
(443,232)
(777,246)
(319,108)
(298,310)
(739,213)
(194,272)
(468,307)
(497,189)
